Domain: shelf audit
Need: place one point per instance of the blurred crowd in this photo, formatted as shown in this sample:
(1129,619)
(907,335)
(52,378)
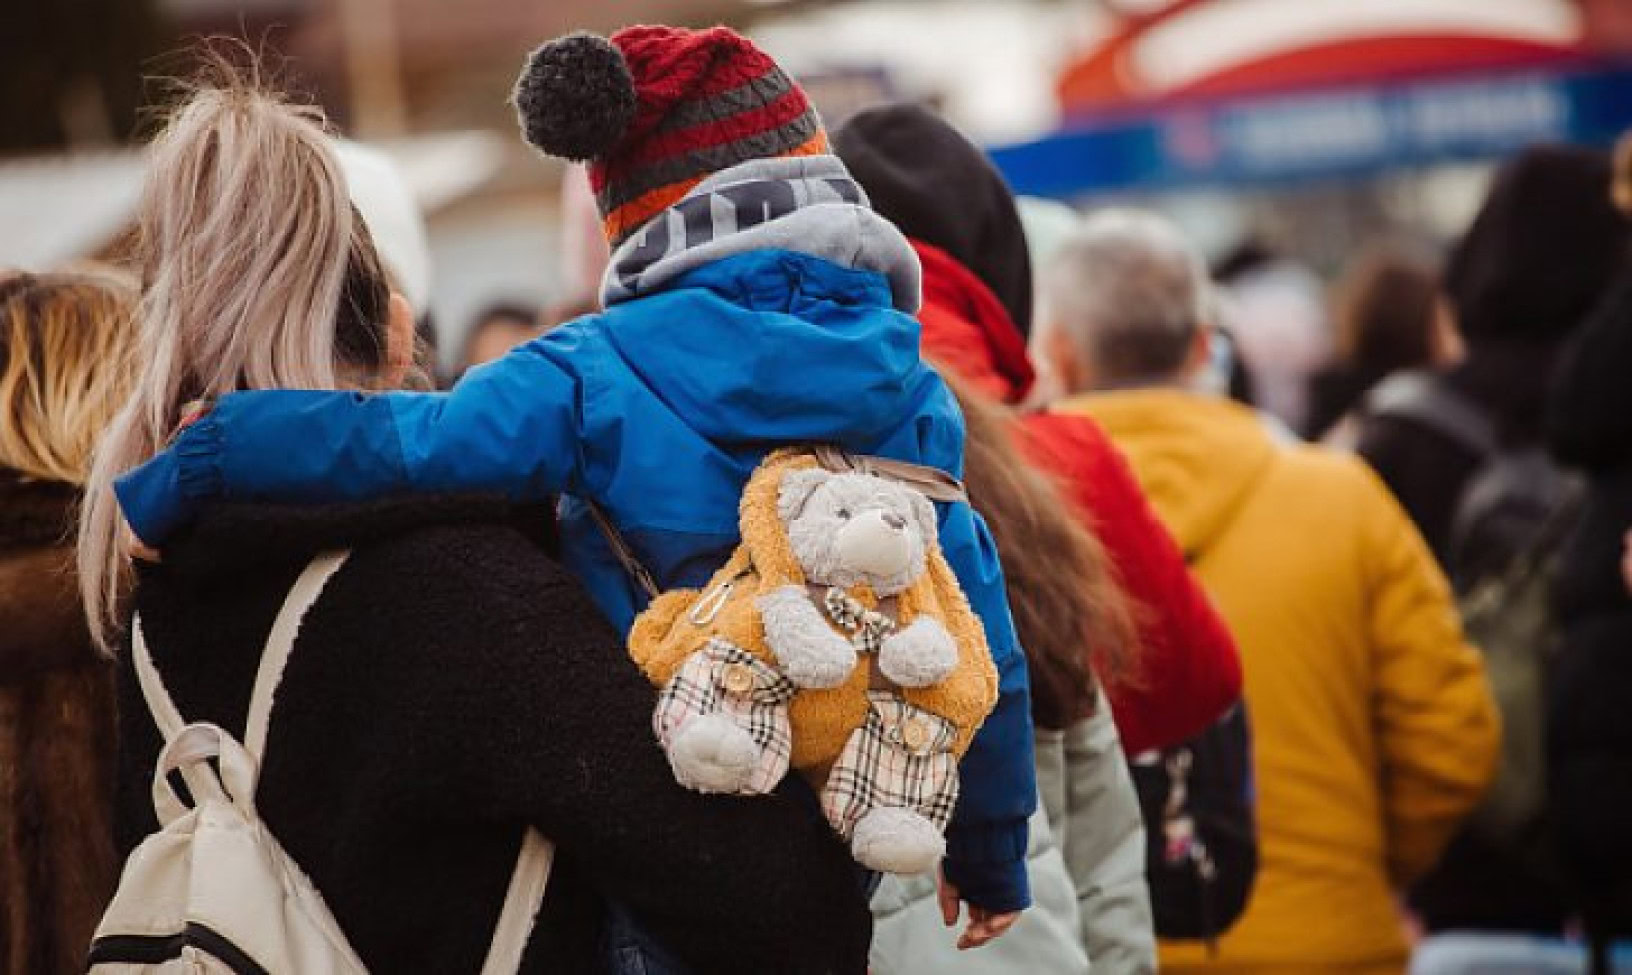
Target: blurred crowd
(1322,588)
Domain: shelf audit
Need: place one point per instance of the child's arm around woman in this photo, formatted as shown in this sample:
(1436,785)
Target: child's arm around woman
(513,428)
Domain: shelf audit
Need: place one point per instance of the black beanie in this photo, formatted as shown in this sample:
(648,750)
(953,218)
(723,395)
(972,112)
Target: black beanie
(932,183)
(1542,249)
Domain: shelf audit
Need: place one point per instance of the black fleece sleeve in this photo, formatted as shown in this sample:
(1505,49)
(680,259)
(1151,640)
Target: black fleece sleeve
(1589,422)
(544,718)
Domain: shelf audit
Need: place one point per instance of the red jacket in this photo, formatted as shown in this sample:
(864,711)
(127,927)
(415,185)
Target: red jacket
(1188,669)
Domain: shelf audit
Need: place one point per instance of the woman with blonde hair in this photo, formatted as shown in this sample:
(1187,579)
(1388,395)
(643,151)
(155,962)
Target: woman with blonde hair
(451,685)
(64,367)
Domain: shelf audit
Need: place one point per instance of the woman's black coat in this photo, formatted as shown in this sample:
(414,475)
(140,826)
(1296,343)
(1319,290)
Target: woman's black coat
(451,685)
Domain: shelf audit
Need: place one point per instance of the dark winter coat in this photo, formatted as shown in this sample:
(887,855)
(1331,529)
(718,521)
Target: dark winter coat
(452,685)
(1590,732)
(56,741)
(1475,885)
(1427,469)
(1543,248)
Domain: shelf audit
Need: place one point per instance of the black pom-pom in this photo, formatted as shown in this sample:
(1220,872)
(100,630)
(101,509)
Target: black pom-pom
(575,97)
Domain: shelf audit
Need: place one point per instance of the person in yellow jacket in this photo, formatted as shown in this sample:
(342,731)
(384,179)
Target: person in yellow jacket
(1375,732)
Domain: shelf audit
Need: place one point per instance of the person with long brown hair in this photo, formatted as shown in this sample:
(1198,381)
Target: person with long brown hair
(1079,631)
(1074,618)
(962,221)
(65,341)
(1160,654)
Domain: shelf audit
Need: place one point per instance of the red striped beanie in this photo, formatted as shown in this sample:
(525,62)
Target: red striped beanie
(655,110)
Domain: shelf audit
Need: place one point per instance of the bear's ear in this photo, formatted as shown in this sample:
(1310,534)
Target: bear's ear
(923,513)
(797,487)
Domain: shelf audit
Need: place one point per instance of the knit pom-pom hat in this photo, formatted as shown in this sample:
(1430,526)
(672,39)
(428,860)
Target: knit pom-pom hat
(655,110)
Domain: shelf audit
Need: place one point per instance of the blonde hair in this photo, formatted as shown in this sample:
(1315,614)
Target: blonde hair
(65,342)
(257,274)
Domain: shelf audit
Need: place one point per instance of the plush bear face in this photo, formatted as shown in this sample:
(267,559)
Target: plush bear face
(846,529)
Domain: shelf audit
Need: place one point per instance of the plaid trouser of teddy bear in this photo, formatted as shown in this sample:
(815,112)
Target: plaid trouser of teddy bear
(896,772)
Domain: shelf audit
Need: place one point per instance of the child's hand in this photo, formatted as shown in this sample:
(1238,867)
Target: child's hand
(984,926)
(137,549)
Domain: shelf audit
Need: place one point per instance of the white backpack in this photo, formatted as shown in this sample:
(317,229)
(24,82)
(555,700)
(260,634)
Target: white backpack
(212,891)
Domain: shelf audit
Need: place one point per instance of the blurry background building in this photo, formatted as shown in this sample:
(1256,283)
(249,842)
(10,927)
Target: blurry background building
(1267,128)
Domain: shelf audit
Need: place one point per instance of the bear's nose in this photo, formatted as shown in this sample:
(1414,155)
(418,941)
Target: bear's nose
(895,521)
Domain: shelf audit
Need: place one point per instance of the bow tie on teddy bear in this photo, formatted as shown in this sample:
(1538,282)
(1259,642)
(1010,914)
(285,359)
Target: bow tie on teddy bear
(868,627)
(759,671)
(854,533)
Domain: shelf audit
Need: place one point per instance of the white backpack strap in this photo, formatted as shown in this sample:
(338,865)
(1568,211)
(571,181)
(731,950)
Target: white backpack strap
(521,904)
(159,703)
(166,716)
(280,642)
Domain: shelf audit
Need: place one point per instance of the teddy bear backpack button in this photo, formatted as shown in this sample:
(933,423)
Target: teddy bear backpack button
(826,644)
(738,678)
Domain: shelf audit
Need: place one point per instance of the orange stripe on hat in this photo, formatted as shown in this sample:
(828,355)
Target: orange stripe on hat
(630,217)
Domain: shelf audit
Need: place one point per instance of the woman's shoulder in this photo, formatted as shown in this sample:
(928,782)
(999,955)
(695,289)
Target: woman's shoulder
(490,574)
(423,567)
(500,551)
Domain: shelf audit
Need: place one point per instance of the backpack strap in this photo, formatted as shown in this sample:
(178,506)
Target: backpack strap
(273,658)
(280,642)
(531,876)
(1421,398)
(932,482)
(159,703)
(521,903)
(620,548)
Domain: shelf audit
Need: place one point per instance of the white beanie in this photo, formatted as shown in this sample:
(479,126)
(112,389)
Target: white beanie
(394,220)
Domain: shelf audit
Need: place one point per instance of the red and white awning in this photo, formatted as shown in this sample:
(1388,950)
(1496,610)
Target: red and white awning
(1210,48)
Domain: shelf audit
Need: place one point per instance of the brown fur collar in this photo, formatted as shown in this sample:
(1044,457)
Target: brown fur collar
(39,594)
(34,512)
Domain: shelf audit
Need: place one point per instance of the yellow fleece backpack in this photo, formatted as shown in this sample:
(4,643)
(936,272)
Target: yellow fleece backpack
(835,640)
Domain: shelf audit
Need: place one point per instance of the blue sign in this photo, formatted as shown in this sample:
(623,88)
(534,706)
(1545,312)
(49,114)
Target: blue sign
(1336,132)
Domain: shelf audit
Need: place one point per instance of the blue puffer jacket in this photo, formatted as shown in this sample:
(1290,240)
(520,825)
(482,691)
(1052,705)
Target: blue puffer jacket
(658,409)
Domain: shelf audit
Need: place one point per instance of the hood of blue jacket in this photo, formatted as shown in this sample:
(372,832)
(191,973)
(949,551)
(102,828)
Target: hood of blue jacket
(728,361)
(775,346)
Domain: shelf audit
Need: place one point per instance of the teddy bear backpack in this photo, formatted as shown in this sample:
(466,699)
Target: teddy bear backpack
(213,891)
(835,641)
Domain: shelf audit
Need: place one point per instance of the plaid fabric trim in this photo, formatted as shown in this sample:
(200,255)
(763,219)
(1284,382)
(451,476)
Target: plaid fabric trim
(900,757)
(868,628)
(723,678)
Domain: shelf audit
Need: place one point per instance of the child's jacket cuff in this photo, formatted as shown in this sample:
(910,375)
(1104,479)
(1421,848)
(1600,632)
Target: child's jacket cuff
(161,495)
(987,863)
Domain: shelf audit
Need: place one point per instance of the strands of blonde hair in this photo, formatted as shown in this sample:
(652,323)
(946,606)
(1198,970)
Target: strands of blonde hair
(246,234)
(65,341)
